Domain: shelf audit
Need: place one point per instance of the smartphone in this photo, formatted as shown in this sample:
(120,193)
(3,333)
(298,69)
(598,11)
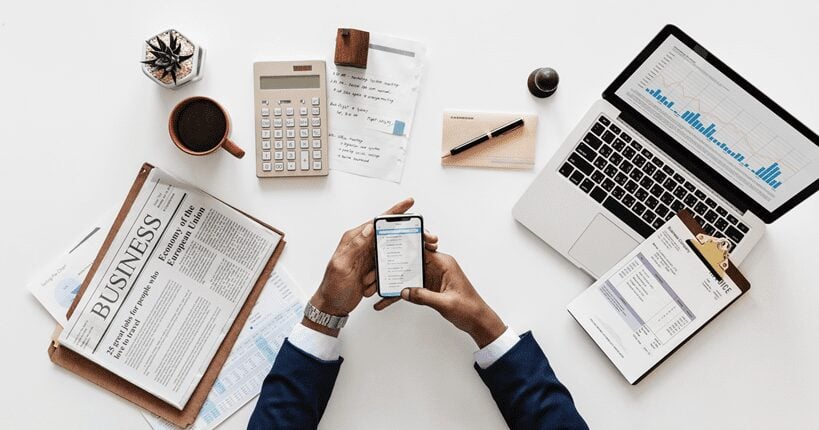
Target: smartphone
(399,253)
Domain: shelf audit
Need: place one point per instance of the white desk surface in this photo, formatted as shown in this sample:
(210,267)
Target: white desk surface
(77,118)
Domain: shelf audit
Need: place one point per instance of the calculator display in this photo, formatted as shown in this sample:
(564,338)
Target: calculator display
(289,82)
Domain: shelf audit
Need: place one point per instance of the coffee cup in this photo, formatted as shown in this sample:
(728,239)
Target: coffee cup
(199,126)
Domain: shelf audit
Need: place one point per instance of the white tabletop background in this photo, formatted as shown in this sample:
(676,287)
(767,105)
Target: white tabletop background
(77,119)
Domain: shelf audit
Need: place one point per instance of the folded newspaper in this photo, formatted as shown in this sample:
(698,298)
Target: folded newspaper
(169,288)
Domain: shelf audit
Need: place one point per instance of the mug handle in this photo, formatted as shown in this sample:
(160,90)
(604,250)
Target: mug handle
(233,148)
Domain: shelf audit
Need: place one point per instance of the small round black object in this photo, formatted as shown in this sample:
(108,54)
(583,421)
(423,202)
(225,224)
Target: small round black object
(542,82)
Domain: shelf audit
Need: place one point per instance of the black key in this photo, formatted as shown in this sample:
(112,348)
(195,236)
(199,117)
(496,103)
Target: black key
(631,186)
(618,145)
(668,170)
(618,193)
(669,184)
(638,208)
(721,210)
(651,202)
(597,176)
(605,121)
(658,223)
(608,184)
(628,200)
(636,145)
(659,176)
(576,177)
(700,208)
(646,153)
(699,220)
(657,162)
(629,153)
(616,158)
(566,169)
(680,193)
(621,178)
(667,198)
(626,138)
(608,137)
(598,194)
(629,218)
(597,128)
(600,162)
(721,224)
(636,175)
(639,160)
(606,150)
(661,210)
(690,200)
(689,186)
(610,170)
(709,229)
(580,163)
(679,178)
(615,129)
(743,228)
(587,185)
(669,215)
(626,167)
(732,219)
(649,168)
(700,195)
(710,202)
(641,194)
(586,152)
(734,234)
(648,216)
(646,182)
(677,206)
(656,190)
(592,140)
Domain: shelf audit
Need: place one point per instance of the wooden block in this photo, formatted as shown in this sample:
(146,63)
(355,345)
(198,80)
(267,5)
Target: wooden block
(352,47)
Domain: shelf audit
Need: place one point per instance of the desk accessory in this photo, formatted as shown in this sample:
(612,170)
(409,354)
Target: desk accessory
(172,60)
(511,146)
(199,126)
(543,82)
(352,47)
(290,101)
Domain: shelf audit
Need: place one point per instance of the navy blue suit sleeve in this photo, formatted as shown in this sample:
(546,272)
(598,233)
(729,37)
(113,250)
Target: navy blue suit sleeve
(295,392)
(527,391)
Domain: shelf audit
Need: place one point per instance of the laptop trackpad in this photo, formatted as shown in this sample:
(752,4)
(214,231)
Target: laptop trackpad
(601,246)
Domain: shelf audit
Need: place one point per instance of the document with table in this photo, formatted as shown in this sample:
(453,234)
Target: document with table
(169,288)
(655,299)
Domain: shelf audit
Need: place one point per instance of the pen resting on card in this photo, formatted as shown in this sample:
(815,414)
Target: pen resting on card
(484,137)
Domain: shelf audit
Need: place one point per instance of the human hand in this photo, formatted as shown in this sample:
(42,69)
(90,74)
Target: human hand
(350,274)
(448,291)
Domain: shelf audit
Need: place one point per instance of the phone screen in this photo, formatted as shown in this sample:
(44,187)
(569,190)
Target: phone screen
(399,246)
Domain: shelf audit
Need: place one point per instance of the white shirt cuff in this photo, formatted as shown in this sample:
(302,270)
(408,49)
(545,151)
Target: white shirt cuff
(319,345)
(491,353)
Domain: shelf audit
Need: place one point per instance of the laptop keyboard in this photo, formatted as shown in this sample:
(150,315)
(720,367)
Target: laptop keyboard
(629,180)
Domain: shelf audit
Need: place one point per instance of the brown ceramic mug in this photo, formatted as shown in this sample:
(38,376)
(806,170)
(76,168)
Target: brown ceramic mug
(199,126)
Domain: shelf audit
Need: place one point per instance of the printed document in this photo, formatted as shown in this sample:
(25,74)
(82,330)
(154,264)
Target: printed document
(279,308)
(168,290)
(371,110)
(652,301)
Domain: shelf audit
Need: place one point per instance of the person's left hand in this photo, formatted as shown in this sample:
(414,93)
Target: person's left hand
(350,274)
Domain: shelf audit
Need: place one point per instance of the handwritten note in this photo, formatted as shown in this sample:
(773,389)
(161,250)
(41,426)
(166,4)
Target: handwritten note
(371,110)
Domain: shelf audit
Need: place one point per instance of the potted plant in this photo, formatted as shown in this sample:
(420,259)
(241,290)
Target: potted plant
(171,60)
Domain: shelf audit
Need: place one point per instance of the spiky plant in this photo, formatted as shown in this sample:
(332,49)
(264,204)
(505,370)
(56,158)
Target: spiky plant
(166,56)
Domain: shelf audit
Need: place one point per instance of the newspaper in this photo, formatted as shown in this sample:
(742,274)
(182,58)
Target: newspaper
(177,273)
(279,308)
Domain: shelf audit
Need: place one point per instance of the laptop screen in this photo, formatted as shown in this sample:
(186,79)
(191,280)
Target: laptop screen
(749,144)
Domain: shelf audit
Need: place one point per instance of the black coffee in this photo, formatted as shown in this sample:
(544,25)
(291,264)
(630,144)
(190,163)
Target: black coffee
(200,125)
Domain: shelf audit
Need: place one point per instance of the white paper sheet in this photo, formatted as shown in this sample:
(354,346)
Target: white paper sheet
(278,309)
(371,110)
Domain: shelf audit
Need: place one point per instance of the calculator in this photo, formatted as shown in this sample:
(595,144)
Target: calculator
(290,104)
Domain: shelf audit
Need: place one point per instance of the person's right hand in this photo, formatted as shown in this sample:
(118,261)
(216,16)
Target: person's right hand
(448,291)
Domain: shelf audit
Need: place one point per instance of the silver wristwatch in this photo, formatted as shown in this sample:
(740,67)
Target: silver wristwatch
(324,319)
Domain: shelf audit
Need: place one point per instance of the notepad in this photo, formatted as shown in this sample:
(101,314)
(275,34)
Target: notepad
(514,150)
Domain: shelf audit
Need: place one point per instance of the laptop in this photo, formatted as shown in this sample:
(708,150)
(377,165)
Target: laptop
(677,129)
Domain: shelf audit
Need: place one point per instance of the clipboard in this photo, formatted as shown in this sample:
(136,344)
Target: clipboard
(104,378)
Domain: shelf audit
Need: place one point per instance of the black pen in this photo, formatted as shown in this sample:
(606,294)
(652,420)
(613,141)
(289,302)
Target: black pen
(484,137)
